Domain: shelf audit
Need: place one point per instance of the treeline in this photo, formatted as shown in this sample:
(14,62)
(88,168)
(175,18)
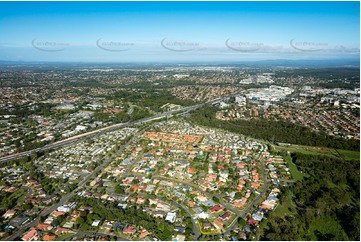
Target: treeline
(327,202)
(324,73)
(122,117)
(339,84)
(147,85)
(273,131)
(43,109)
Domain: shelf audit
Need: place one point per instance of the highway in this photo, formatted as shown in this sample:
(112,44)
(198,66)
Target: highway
(79,137)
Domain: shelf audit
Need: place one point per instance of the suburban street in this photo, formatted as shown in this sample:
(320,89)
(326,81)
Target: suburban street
(67,196)
(180,206)
(255,201)
(239,213)
(79,137)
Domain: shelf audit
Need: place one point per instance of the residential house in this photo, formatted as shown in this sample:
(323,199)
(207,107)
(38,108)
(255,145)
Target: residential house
(57,213)
(143,234)
(180,229)
(215,209)
(31,235)
(191,204)
(49,199)
(9,214)
(180,237)
(18,221)
(96,223)
(171,217)
(60,231)
(129,230)
(218,223)
(48,237)
(44,227)
(107,225)
(68,225)
(226,216)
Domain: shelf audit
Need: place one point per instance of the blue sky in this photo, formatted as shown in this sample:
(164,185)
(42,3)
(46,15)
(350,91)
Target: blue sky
(178,31)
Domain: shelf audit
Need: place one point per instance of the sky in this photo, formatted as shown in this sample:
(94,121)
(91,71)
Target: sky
(178,31)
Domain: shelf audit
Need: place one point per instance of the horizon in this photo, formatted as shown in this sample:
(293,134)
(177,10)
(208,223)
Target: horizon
(196,32)
(342,62)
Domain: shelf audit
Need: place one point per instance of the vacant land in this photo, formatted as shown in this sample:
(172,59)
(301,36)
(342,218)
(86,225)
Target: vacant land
(310,150)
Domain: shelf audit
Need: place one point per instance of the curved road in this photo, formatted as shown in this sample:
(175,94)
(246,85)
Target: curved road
(239,214)
(195,227)
(117,126)
(255,201)
(197,188)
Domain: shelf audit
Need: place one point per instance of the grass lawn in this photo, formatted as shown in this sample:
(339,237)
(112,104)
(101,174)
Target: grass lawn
(190,210)
(295,173)
(230,221)
(286,208)
(311,150)
(349,154)
(63,236)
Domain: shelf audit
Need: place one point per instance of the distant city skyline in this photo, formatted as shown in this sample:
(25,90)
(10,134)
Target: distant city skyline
(178,31)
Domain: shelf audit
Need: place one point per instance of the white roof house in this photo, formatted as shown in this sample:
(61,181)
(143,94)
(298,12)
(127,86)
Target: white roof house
(96,223)
(171,217)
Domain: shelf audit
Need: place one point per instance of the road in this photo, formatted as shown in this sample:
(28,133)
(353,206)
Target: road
(79,137)
(71,140)
(195,227)
(242,214)
(197,188)
(66,197)
(255,201)
(196,231)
